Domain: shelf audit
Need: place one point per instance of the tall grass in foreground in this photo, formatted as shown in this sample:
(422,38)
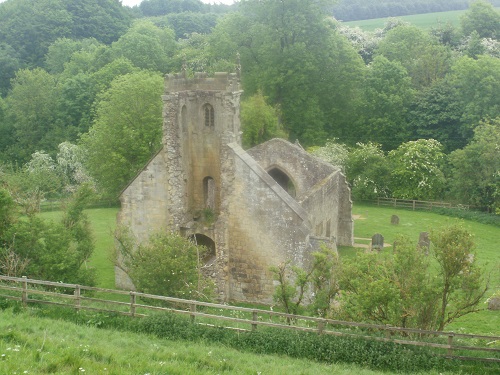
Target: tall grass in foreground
(34,345)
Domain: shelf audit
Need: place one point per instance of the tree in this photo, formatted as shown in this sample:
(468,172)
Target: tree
(477,82)
(32,112)
(475,169)
(105,20)
(482,18)
(424,59)
(316,286)
(332,152)
(9,61)
(390,289)
(167,264)
(416,170)
(47,250)
(409,288)
(291,52)
(385,102)
(461,281)
(126,132)
(437,114)
(147,46)
(31,26)
(368,171)
(260,121)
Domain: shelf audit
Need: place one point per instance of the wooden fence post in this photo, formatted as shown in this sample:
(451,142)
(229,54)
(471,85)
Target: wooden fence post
(450,343)
(321,327)
(133,298)
(413,205)
(77,297)
(192,308)
(387,332)
(24,295)
(254,319)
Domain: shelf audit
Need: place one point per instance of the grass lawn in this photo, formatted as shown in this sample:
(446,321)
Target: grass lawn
(103,221)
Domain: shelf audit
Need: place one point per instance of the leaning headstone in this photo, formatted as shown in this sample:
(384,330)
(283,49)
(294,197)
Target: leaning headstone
(377,242)
(395,220)
(424,242)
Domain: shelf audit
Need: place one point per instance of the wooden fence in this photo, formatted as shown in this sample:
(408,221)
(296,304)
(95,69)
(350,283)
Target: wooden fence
(416,204)
(452,345)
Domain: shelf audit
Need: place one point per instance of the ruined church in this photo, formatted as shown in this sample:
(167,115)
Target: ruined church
(252,208)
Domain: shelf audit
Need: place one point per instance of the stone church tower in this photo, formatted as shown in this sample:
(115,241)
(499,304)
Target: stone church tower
(252,209)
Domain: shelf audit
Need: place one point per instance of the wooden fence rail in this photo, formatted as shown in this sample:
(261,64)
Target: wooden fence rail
(243,319)
(417,204)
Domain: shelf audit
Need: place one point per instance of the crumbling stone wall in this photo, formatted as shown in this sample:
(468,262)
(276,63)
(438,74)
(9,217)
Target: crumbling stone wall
(266,227)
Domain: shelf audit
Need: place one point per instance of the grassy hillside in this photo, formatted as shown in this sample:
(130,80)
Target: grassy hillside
(424,21)
(33,345)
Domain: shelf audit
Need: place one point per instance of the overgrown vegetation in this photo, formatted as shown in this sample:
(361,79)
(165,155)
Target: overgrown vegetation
(409,288)
(42,249)
(165,265)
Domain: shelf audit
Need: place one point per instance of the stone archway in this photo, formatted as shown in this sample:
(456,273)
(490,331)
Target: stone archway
(201,239)
(283,180)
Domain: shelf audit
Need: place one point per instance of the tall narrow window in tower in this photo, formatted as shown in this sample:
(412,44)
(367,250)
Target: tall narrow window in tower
(209,192)
(184,118)
(209,115)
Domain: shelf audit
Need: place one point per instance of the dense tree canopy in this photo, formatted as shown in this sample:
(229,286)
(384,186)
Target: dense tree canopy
(370,92)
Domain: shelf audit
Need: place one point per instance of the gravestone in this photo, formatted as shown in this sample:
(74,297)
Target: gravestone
(395,220)
(424,243)
(395,247)
(494,303)
(377,242)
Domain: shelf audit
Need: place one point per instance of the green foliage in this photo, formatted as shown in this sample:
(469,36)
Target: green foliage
(409,288)
(475,169)
(126,132)
(167,265)
(476,80)
(332,152)
(423,58)
(146,46)
(368,172)
(416,171)
(461,281)
(482,18)
(46,250)
(324,348)
(318,284)
(383,109)
(7,211)
(260,121)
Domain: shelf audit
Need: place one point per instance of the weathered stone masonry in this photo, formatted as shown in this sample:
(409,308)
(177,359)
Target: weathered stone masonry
(272,203)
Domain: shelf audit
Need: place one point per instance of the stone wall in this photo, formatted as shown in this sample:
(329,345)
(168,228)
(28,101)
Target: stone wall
(265,228)
(143,207)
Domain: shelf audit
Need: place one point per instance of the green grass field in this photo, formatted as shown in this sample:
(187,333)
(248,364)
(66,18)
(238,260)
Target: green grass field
(423,21)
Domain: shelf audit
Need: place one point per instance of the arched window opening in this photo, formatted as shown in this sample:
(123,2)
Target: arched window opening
(283,180)
(209,115)
(208,258)
(209,192)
